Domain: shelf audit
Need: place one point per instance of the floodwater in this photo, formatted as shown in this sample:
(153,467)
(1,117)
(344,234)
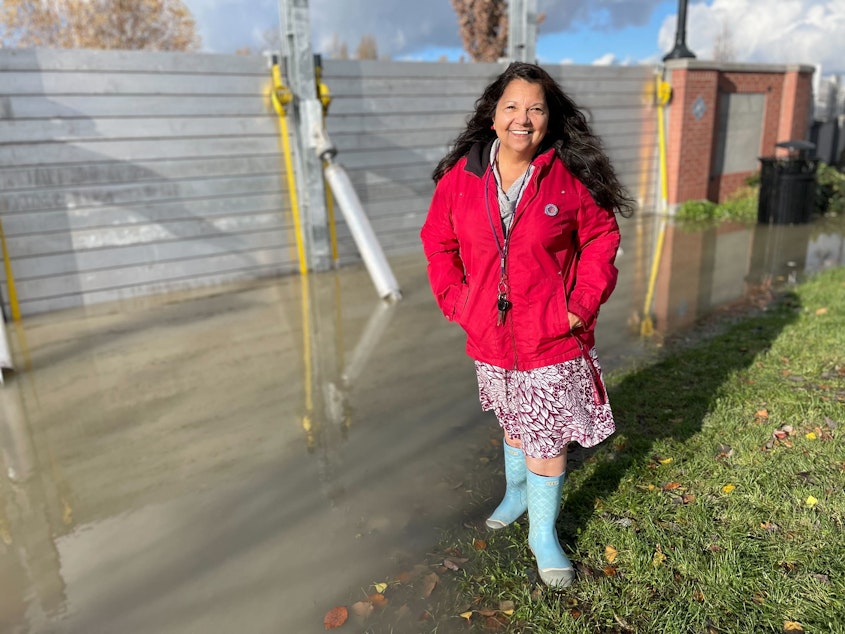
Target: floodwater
(242,459)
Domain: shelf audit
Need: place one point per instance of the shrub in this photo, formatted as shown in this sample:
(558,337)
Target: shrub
(830,190)
(697,211)
(740,206)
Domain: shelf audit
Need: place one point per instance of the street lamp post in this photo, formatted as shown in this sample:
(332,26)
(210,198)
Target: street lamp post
(680,51)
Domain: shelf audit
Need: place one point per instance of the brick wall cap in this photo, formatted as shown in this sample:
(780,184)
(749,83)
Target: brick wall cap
(734,67)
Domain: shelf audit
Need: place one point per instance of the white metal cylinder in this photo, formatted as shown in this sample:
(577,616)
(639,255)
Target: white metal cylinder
(362,232)
(5,351)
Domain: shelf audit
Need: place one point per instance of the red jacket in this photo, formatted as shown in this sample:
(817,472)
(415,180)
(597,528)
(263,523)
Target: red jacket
(560,259)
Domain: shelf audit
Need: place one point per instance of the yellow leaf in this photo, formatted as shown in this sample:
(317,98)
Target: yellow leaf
(466,615)
(380,587)
(610,554)
(728,488)
(821,311)
(811,501)
(665,460)
(658,558)
(792,626)
(508,612)
(810,436)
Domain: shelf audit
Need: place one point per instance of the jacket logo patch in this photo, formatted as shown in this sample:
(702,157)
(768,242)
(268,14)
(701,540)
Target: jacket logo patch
(551,210)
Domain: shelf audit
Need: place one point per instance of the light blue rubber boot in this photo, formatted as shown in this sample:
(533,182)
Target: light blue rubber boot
(543,507)
(515,501)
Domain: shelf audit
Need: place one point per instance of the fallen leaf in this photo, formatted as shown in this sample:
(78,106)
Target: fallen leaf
(724,451)
(792,626)
(698,595)
(466,615)
(658,558)
(665,460)
(571,602)
(821,311)
(451,564)
(821,577)
(479,544)
(761,415)
(759,598)
(609,571)
(769,527)
(378,600)
(429,583)
(335,617)
(688,498)
(610,554)
(362,609)
(671,486)
(811,501)
(728,488)
(380,587)
(810,435)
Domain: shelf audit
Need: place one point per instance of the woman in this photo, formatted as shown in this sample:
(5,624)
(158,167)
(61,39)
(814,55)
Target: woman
(521,239)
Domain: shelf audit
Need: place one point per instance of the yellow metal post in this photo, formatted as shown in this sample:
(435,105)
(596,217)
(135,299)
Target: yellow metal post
(663,93)
(282,96)
(325,97)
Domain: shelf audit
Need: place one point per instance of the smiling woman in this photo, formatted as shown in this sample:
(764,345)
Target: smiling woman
(526,283)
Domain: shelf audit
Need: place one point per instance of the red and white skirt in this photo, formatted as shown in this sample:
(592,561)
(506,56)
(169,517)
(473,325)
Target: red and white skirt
(548,407)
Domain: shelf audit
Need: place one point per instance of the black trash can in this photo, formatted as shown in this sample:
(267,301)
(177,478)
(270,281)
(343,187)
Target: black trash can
(788,185)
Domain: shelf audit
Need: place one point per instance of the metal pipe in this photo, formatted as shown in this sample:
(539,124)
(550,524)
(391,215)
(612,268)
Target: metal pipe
(5,352)
(362,231)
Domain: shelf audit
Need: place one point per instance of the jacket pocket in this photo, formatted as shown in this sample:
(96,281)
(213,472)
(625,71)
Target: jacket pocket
(459,310)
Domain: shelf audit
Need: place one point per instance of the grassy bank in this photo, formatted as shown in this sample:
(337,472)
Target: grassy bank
(717,507)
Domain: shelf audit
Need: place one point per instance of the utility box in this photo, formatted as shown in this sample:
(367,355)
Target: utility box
(788,185)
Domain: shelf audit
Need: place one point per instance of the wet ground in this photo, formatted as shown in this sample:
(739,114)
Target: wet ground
(242,459)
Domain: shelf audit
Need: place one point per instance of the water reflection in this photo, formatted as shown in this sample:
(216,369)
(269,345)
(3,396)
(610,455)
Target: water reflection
(705,269)
(245,460)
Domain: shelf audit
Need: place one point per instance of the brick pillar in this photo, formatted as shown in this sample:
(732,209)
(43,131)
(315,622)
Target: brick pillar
(690,129)
(796,104)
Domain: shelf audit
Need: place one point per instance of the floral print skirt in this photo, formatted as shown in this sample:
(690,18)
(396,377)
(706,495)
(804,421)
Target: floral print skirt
(547,407)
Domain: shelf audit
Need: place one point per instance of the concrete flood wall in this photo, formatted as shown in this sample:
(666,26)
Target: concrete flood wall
(129,173)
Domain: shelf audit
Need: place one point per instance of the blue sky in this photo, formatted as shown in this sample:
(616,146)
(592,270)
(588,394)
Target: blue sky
(575,31)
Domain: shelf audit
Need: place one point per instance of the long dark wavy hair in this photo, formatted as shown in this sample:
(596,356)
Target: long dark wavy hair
(569,134)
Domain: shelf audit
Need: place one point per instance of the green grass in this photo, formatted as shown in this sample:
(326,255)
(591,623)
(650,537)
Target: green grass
(711,516)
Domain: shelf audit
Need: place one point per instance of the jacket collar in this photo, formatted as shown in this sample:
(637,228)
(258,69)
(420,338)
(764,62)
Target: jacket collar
(478,158)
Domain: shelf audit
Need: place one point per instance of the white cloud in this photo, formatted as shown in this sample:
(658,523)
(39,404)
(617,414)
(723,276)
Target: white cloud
(783,32)
(608,59)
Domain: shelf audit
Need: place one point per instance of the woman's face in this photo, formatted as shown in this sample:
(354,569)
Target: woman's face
(521,119)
